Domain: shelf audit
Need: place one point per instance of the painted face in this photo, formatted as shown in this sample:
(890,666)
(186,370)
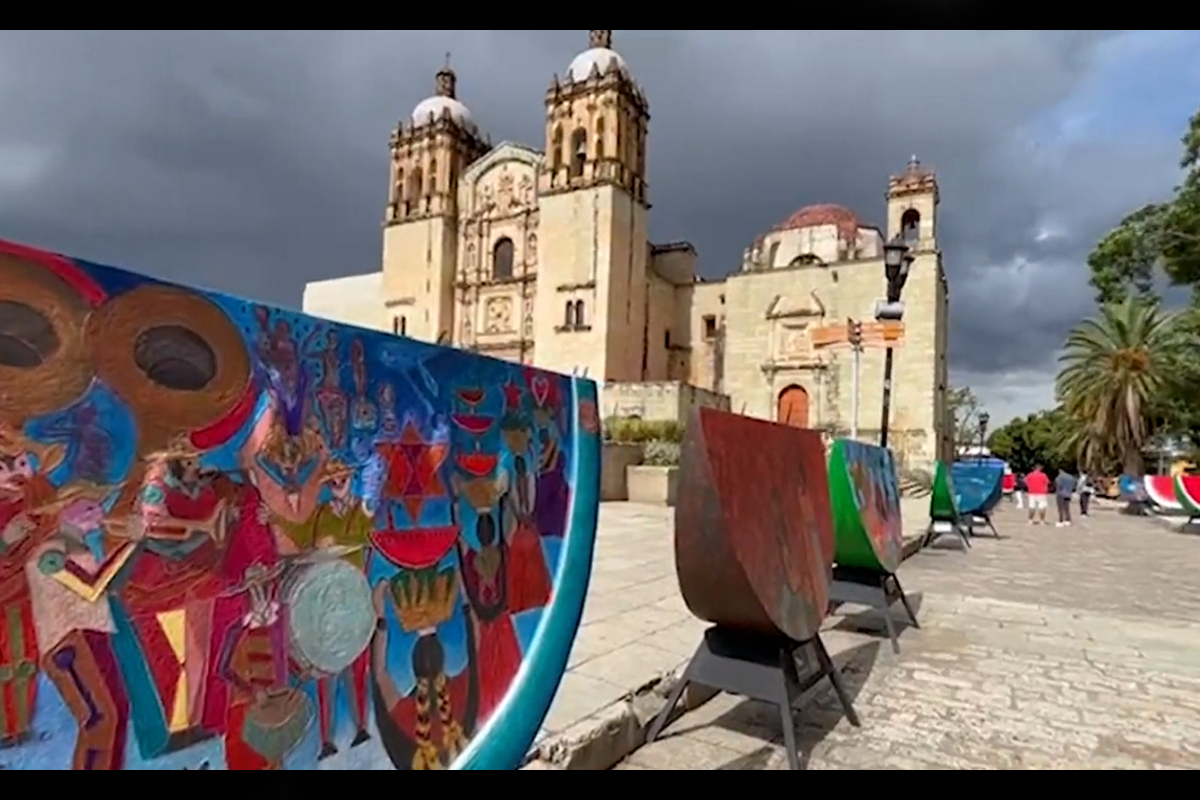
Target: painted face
(82,516)
(340,485)
(15,471)
(186,471)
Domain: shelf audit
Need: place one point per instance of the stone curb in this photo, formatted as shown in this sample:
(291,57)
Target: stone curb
(604,739)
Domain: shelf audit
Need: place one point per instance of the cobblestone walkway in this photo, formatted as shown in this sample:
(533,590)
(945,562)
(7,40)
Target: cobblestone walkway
(1075,648)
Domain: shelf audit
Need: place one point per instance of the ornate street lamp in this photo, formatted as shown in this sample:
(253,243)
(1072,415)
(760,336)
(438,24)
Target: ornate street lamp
(896,261)
(983,423)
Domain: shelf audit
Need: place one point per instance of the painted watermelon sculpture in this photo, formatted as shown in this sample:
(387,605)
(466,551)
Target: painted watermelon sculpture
(943,500)
(1187,494)
(260,540)
(1161,491)
(866,506)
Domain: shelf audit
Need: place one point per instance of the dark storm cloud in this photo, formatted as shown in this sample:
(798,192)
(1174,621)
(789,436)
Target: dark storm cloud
(253,161)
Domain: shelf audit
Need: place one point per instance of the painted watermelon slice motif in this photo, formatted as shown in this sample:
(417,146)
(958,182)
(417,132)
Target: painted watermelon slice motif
(1187,493)
(1161,491)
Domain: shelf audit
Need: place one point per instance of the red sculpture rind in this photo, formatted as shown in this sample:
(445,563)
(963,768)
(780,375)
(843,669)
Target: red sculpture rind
(753,529)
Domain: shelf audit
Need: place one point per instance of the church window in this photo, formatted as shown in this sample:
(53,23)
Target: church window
(400,326)
(578,152)
(578,313)
(556,147)
(414,184)
(774,253)
(910,225)
(569,316)
(667,339)
(600,139)
(399,183)
(710,327)
(432,182)
(502,259)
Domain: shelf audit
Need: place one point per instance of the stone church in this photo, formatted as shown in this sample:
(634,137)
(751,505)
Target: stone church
(543,257)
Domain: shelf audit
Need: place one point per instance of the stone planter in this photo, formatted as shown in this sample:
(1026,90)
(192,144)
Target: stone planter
(615,459)
(654,485)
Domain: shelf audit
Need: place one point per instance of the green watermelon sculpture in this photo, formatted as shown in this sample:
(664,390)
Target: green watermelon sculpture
(866,507)
(942,507)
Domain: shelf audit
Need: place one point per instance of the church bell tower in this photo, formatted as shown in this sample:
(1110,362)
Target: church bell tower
(591,298)
(420,236)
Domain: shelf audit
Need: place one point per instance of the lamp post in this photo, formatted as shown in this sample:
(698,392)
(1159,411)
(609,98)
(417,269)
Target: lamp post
(983,422)
(896,261)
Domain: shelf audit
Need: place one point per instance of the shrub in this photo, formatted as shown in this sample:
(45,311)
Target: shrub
(632,430)
(660,454)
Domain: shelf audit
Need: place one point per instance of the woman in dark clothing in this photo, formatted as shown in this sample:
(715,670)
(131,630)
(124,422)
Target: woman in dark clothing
(1020,489)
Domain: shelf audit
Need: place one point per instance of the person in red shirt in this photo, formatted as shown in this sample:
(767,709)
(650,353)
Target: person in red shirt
(1037,483)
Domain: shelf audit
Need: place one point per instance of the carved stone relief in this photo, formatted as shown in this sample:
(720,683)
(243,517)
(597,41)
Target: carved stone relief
(526,190)
(504,192)
(527,319)
(531,249)
(794,341)
(498,315)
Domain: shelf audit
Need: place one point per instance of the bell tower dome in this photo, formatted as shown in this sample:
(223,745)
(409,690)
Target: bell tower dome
(429,151)
(591,300)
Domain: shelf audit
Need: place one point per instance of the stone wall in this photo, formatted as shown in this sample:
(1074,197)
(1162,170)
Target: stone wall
(657,400)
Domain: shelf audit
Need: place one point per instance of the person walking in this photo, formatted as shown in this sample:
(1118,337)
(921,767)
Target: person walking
(1086,489)
(1037,484)
(1020,489)
(1064,488)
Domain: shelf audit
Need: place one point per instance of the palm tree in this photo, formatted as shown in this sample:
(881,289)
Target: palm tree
(1114,367)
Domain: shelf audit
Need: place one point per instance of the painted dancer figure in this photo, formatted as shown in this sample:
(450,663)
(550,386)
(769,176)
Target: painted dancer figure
(75,628)
(266,718)
(26,520)
(528,577)
(344,523)
(485,581)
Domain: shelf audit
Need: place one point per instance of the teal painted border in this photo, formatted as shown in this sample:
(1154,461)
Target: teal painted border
(505,739)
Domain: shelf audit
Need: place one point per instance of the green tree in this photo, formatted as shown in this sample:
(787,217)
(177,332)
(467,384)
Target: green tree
(1117,368)
(1036,439)
(1161,238)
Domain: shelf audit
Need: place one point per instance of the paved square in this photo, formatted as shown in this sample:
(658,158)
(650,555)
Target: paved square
(1072,648)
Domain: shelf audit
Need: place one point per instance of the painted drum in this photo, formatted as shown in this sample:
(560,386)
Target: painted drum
(753,529)
(865,495)
(330,615)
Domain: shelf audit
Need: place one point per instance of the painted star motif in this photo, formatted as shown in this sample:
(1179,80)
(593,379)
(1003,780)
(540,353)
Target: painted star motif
(512,396)
(412,469)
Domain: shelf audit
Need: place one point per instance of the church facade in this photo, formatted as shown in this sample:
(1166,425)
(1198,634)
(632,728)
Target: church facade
(543,257)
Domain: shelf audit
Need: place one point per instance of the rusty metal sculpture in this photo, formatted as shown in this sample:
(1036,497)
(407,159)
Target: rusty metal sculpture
(754,553)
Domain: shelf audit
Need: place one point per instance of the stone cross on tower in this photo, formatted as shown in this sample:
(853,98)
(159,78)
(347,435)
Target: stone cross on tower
(600,39)
(446,80)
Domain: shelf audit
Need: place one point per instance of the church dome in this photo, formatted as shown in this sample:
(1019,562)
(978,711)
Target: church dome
(599,55)
(847,221)
(437,105)
(444,100)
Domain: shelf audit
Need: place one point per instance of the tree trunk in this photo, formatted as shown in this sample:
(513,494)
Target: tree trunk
(1133,464)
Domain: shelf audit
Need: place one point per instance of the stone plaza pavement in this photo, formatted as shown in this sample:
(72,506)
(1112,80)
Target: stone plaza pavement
(1074,648)
(636,630)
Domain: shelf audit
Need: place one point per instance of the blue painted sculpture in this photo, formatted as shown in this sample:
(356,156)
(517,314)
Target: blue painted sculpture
(236,537)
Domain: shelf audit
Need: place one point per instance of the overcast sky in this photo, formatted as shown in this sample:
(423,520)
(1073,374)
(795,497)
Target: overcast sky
(252,162)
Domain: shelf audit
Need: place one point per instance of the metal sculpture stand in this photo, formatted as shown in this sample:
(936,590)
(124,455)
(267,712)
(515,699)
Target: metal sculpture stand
(941,527)
(760,668)
(874,589)
(984,518)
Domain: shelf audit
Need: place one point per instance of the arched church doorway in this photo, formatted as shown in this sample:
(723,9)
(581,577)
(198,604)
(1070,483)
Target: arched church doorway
(793,407)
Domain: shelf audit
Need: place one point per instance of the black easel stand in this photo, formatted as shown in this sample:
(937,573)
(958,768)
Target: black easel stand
(985,519)
(939,527)
(874,589)
(760,668)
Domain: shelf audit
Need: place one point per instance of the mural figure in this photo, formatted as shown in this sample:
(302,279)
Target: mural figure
(74,624)
(26,520)
(209,526)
